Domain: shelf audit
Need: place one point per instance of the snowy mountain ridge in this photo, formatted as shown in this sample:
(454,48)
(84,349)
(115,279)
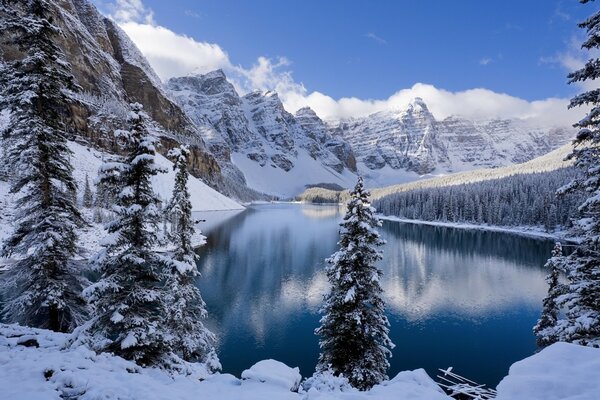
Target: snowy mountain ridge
(258,136)
(255,131)
(412,139)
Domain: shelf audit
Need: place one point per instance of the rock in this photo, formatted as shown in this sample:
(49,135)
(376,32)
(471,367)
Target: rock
(28,341)
(282,162)
(275,373)
(111,72)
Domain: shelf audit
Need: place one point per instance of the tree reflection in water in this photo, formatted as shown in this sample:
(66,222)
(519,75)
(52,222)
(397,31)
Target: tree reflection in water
(455,297)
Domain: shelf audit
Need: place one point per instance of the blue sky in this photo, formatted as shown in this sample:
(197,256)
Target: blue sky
(368,50)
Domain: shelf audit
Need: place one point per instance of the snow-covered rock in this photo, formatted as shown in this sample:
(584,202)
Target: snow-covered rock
(277,152)
(257,136)
(412,139)
(562,371)
(274,373)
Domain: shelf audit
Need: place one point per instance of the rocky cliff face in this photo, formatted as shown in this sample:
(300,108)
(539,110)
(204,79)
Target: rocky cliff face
(112,73)
(257,128)
(414,140)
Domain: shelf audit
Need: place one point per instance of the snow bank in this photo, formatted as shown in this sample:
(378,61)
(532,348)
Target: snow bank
(52,372)
(561,371)
(275,373)
(36,364)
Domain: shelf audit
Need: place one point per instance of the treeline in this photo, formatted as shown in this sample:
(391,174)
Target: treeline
(322,195)
(522,199)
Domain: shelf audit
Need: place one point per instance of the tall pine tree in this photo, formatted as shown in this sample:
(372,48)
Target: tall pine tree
(354,329)
(582,300)
(129,299)
(43,287)
(546,325)
(186,309)
(88,196)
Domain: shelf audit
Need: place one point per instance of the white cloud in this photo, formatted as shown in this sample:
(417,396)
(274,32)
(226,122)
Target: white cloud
(130,10)
(477,104)
(485,61)
(172,54)
(376,38)
(572,59)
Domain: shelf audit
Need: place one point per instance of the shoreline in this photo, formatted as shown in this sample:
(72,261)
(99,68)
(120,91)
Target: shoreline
(527,231)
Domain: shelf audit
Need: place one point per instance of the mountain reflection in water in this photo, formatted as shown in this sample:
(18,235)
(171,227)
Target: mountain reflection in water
(454,297)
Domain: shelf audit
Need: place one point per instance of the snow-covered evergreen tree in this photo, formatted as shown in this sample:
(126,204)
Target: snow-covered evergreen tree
(546,325)
(88,196)
(582,322)
(129,298)
(354,329)
(193,341)
(43,287)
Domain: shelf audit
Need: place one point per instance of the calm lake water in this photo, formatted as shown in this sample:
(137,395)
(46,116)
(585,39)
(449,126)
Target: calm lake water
(466,299)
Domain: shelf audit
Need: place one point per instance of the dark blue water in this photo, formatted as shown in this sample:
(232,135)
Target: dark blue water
(466,299)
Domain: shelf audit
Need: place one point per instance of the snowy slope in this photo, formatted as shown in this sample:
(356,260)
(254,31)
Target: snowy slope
(286,184)
(548,162)
(562,371)
(87,161)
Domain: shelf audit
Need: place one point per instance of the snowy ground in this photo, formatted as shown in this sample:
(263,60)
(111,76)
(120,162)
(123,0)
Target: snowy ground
(388,176)
(529,231)
(52,372)
(562,371)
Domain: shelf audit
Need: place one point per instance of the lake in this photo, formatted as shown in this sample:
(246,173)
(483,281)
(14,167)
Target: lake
(460,298)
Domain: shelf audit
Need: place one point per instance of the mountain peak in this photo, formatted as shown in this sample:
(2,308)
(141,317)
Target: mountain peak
(418,104)
(211,83)
(216,74)
(306,112)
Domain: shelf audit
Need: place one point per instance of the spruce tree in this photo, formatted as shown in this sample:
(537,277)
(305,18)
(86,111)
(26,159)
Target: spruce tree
(193,341)
(129,299)
(88,196)
(43,287)
(546,325)
(354,329)
(582,322)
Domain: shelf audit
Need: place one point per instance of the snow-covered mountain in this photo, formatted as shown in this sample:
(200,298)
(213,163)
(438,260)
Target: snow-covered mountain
(243,145)
(281,153)
(277,152)
(111,73)
(413,140)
